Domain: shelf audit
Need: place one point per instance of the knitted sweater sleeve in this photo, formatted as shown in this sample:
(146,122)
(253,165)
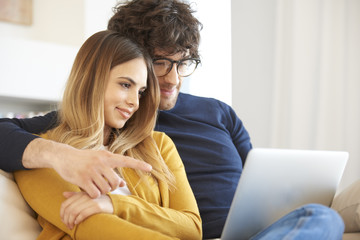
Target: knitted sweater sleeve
(16,134)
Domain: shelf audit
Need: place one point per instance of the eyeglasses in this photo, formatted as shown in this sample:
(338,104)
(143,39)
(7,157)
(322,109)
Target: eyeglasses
(185,67)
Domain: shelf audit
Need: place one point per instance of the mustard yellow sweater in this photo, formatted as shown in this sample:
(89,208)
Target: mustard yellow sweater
(150,212)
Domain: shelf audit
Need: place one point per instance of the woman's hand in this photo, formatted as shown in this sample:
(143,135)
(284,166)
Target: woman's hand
(79,205)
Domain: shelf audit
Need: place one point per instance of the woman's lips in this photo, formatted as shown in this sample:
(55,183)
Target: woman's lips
(124,113)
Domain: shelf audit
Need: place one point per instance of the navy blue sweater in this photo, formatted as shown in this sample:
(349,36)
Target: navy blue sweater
(210,138)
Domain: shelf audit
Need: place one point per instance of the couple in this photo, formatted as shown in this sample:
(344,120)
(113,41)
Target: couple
(109,111)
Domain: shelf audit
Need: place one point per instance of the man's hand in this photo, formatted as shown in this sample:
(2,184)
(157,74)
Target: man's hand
(91,170)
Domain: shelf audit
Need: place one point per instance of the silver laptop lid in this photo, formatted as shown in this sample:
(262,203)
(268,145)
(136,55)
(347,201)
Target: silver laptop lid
(277,181)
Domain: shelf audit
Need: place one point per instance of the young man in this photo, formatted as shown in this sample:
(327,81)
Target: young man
(210,138)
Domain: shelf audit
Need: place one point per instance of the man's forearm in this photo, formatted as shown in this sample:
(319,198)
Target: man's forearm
(43,153)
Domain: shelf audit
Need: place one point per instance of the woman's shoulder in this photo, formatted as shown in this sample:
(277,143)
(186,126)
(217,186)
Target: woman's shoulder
(160,137)
(167,150)
(163,141)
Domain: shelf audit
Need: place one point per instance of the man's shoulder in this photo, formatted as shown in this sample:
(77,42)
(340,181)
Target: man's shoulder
(195,100)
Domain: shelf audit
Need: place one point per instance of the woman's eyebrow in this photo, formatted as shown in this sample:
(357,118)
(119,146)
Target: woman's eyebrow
(129,79)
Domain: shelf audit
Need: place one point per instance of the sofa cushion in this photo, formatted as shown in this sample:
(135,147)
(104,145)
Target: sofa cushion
(18,219)
(351,236)
(347,204)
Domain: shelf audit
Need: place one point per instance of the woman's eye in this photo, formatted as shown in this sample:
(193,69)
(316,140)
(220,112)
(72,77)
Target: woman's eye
(125,85)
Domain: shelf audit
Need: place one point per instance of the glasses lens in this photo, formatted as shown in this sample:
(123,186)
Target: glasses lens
(162,67)
(187,67)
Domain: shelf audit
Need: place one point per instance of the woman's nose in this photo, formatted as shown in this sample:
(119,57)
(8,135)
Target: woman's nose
(133,99)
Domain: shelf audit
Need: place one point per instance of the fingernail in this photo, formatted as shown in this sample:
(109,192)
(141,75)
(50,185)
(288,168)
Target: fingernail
(149,168)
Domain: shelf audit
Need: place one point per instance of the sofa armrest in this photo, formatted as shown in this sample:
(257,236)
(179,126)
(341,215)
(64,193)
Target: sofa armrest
(18,220)
(347,204)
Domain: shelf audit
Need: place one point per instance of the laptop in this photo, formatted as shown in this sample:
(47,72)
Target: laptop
(276,181)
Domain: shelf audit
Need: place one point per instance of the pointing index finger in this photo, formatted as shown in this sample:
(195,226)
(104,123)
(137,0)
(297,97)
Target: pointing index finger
(124,161)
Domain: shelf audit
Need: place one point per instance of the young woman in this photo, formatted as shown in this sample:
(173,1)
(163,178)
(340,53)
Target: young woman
(110,104)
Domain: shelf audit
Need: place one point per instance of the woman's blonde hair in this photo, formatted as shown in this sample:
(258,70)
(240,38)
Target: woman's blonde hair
(81,114)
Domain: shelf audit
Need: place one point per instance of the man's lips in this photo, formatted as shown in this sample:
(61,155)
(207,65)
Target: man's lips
(167,92)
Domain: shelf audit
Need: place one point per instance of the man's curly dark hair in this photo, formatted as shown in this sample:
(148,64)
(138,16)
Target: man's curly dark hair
(166,25)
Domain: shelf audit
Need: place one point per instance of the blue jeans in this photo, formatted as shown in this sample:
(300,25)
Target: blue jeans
(312,221)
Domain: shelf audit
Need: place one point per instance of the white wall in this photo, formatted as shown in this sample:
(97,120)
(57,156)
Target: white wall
(295,78)
(213,77)
(54,21)
(253,35)
(35,60)
(97,15)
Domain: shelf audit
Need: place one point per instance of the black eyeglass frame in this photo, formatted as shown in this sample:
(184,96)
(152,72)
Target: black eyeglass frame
(198,61)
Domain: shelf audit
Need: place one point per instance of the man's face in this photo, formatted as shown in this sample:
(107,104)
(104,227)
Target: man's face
(170,84)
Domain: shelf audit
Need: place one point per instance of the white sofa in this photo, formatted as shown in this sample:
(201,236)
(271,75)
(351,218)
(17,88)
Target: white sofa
(347,204)
(18,220)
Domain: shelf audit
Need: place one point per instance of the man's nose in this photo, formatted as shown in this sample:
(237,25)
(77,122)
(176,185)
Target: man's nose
(172,77)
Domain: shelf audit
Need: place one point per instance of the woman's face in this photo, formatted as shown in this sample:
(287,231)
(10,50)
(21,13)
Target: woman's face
(126,83)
